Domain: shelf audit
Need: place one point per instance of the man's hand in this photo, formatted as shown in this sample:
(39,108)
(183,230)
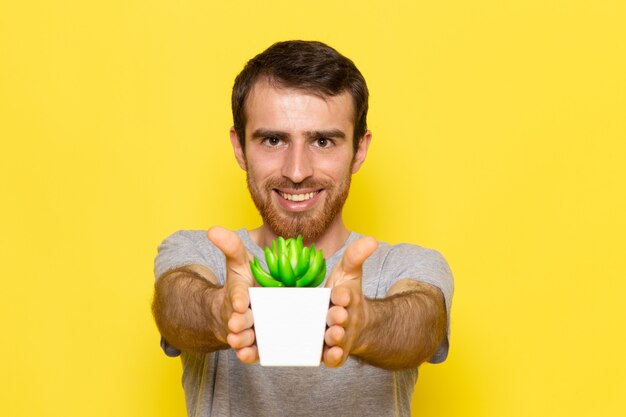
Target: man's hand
(347,316)
(236,312)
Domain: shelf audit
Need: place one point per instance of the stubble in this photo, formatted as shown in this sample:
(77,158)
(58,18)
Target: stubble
(310,224)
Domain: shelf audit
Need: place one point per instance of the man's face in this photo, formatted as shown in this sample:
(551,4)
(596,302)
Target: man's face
(298,158)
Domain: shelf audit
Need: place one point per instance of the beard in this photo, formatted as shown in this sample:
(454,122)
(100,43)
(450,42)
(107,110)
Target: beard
(310,224)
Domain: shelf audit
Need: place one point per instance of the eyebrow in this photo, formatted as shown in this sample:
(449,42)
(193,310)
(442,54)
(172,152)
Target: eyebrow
(332,133)
(310,134)
(268,133)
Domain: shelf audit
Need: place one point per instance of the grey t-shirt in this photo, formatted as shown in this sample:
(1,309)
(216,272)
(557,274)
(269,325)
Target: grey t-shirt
(218,384)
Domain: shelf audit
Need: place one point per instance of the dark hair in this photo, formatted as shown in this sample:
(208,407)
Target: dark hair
(305,65)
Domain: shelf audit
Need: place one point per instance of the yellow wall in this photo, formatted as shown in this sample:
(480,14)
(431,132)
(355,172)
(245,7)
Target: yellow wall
(499,139)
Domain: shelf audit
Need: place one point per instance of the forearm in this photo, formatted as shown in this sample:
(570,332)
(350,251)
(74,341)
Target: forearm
(187,309)
(402,330)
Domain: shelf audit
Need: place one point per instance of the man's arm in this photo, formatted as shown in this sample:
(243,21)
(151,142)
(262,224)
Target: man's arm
(188,309)
(404,329)
(397,332)
(194,314)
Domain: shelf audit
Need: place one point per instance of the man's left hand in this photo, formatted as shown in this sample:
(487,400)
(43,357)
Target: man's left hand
(347,316)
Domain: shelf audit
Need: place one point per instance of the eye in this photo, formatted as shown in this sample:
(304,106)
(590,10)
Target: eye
(323,143)
(271,141)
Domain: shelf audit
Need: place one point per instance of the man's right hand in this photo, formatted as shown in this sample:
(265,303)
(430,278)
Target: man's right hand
(236,312)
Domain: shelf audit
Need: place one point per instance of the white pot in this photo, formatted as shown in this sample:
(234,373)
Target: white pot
(289,324)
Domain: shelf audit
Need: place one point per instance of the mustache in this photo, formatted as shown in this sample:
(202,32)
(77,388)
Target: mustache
(273,183)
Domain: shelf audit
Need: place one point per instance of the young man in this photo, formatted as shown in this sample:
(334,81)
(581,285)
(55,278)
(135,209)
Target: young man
(300,132)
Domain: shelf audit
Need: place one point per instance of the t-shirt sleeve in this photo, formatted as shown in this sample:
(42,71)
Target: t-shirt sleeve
(187,247)
(406,261)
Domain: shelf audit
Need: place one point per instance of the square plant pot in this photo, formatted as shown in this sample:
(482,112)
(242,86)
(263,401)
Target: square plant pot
(289,324)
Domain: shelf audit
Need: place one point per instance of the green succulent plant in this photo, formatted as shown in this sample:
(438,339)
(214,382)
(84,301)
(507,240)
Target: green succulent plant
(290,264)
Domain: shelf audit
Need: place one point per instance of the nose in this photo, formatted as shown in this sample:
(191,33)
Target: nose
(297,165)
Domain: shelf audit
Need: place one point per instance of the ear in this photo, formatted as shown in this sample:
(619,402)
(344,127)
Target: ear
(361,151)
(239,153)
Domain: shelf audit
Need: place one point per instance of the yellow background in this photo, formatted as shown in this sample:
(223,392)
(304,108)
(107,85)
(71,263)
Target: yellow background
(499,139)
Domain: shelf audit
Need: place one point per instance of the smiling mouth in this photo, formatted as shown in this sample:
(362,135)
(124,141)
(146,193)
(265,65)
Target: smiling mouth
(298,197)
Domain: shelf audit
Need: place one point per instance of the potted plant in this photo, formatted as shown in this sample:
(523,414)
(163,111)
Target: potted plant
(289,311)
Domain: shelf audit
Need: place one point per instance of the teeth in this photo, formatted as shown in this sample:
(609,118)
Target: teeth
(297,197)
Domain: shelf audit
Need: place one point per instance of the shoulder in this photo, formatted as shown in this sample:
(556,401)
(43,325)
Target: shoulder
(410,254)
(187,247)
(417,262)
(397,255)
(394,262)
(188,241)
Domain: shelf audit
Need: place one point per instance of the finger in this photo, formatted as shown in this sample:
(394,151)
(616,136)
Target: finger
(241,340)
(333,357)
(238,296)
(230,244)
(237,266)
(341,296)
(334,336)
(350,268)
(239,322)
(356,254)
(248,354)
(337,316)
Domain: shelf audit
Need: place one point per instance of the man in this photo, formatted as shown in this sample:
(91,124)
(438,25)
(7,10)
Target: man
(300,132)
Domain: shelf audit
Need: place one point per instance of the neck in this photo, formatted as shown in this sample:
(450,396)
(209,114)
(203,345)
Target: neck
(331,241)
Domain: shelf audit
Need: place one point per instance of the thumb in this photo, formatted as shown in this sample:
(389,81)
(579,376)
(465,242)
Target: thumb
(358,252)
(230,244)
(238,277)
(355,255)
